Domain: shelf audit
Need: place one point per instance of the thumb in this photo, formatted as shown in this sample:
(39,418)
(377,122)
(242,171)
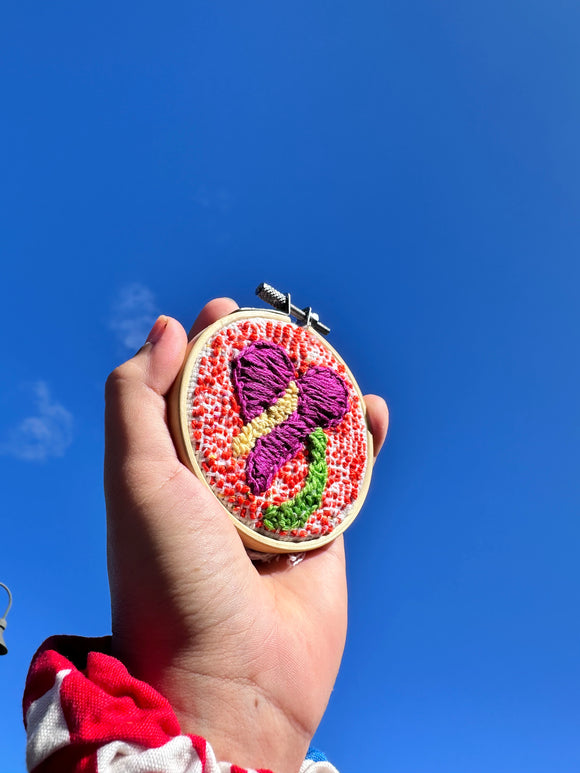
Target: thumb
(160,358)
(147,488)
(135,412)
(135,409)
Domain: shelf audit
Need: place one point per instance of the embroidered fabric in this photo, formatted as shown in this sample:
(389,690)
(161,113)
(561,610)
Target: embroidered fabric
(277,428)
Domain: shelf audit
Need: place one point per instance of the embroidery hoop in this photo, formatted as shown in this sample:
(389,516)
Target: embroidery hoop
(179,420)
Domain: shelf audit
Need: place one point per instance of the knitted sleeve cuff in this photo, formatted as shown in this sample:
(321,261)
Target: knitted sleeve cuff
(84,713)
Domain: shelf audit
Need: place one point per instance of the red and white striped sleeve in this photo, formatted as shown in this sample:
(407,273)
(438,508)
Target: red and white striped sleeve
(84,713)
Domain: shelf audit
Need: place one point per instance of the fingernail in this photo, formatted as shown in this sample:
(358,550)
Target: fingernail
(158,329)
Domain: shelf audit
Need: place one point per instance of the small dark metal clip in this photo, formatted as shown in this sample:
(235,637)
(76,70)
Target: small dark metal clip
(283,302)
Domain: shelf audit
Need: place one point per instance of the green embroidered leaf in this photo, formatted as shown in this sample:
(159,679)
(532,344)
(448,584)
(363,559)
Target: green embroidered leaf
(294,513)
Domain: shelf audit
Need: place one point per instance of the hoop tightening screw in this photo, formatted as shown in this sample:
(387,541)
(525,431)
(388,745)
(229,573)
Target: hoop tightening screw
(283,302)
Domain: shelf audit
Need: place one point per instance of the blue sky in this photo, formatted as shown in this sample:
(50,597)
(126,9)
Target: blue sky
(411,170)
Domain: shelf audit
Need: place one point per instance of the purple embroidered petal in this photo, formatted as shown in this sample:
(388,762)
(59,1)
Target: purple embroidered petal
(323,397)
(323,402)
(260,375)
(273,450)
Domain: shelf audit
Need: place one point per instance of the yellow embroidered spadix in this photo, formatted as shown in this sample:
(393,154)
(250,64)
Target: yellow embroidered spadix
(244,442)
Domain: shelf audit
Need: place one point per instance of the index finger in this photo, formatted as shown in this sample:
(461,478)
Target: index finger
(210,313)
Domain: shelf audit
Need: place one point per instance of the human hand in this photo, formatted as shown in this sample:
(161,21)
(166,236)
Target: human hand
(246,655)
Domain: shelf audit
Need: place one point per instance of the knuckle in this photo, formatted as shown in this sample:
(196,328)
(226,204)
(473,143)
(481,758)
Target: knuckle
(119,379)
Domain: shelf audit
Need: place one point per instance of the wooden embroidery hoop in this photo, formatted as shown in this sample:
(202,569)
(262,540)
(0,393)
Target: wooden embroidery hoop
(179,426)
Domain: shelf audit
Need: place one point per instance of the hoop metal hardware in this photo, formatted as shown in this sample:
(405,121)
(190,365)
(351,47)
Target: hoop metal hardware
(283,302)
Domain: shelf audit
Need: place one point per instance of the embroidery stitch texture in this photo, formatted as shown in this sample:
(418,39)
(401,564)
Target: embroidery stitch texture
(266,421)
(228,445)
(294,513)
(259,374)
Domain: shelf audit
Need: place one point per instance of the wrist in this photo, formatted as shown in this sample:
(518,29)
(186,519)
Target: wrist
(238,717)
(239,720)
(82,706)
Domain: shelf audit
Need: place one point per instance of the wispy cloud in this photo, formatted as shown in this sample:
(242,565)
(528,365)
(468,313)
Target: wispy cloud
(45,434)
(134,312)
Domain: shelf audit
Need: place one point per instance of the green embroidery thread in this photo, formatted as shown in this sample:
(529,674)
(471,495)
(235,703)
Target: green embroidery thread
(294,513)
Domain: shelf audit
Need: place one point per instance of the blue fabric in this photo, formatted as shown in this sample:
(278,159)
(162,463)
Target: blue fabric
(316,755)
